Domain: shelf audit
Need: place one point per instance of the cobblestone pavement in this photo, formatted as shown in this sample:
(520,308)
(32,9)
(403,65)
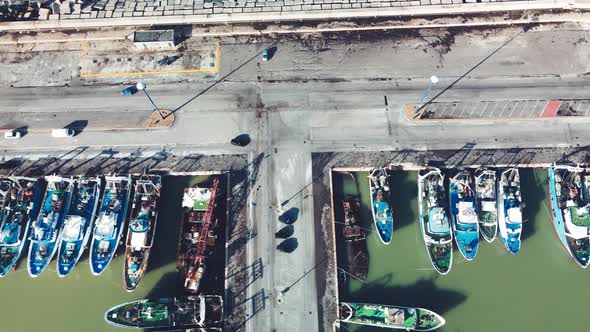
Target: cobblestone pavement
(505,109)
(133,8)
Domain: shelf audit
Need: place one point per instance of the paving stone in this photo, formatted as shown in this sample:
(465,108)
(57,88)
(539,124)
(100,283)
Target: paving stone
(346,5)
(248,9)
(306,7)
(236,10)
(83,15)
(117,14)
(316,7)
(356,5)
(217,10)
(94,14)
(326,6)
(108,13)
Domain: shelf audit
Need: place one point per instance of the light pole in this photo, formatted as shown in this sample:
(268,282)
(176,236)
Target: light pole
(433,81)
(141,86)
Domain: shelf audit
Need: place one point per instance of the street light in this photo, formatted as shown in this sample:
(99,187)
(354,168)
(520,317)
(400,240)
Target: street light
(141,86)
(433,81)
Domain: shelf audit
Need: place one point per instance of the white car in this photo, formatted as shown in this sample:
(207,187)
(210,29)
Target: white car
(12,134)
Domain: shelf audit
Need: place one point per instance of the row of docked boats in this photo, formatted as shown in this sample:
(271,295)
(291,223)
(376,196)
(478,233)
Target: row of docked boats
(486,202)
(61,215)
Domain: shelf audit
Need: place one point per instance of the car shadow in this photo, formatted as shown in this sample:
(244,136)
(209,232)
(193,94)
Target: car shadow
(289,245)
(78,126)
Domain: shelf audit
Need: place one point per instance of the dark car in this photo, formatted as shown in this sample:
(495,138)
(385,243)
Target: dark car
(241,140)
(130,90)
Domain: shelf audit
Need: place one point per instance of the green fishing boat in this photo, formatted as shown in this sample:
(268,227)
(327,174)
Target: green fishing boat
(389,316)
(164,313)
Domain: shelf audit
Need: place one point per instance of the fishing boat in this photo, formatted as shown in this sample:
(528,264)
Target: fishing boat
(142,228)
(20,199)
(568,189)
(78,223)
(434,221)
(463,214)
(195,229)
(109,223)
(178,313)
(487,208)
(389,316)
(509,210)
(355,239)
(45,229)
(380,195)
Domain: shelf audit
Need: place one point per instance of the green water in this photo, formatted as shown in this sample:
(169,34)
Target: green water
(540,289)
(78,301)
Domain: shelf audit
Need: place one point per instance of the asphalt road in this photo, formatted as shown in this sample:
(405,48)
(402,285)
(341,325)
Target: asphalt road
(317,95)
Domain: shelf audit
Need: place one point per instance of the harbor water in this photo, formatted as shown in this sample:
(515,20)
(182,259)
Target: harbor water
(78,301)
(540,289)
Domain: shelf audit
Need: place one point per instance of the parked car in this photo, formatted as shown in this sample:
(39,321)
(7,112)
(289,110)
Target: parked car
(13,134)
(265,54)
(130,90)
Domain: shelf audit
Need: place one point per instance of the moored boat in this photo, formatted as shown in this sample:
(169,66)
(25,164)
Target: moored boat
(389,316)
(463,214)
(45,229)
(20,201)
(142,228)
(380,204)
(487,208)
(509,210)
(355,239)
(177,313)
(568,192)
(77,224)
(196,226)
(434,221)
(109,223)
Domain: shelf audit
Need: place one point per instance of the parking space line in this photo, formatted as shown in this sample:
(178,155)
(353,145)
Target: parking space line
(156,72)
(524,108)
(462,110)
(504,109)
(483,111)
(587,108)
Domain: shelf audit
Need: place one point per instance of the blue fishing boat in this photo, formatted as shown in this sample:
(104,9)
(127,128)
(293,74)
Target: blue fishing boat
(109,223)
(45,229)
(380,203)
(568,191)
(20,199)
(509,210)
(434,221)
(142,228)
(77,225)
(463,215)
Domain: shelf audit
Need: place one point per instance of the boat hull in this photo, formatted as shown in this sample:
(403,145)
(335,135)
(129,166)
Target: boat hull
(142,225)
(389,316)
(55,205)
(381,208)
(511,240)
(440,252)
(466,235)
(67,257)
(163,313)
(103,247)
(486,193)
(21,215)
(557,217)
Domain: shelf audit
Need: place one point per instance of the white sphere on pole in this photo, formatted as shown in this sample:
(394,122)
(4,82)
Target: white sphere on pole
(140,86)
(433,79)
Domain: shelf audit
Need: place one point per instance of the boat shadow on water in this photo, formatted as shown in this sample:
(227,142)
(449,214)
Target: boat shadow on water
(402,201)
(533,185)
(424,293)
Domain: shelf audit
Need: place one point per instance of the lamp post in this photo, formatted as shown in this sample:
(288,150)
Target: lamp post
(433,81)
(141,86)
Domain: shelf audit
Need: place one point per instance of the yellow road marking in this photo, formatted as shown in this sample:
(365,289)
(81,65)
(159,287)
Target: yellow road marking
(157,72)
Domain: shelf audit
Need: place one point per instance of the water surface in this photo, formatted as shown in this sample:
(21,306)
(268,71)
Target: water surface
(540,289)
(78,302)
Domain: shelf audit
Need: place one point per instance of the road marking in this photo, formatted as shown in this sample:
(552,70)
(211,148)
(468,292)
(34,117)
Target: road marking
(551,108)
(156,72)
